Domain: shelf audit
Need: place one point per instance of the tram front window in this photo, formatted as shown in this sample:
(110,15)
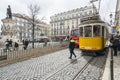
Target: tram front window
(81,31)
(88,31)
(96,30)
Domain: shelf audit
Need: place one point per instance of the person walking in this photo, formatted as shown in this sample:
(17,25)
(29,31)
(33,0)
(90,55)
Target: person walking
(107,45)
(71,48)
(45,42)
(115,42)
(26,42)
(10,42)
(7,45)
(16,46)
(119,44)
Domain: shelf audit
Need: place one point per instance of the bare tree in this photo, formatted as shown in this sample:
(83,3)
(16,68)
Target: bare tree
(34,11)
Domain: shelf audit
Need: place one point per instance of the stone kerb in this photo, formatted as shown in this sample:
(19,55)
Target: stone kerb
(20,55)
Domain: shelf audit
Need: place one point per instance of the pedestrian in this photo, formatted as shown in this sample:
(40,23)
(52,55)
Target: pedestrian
(107,45)
(7,45)
(119,44)
(16,46)
(26,42)
(10,42)
(115,42)
(45,42)
(71,48)
(23,41)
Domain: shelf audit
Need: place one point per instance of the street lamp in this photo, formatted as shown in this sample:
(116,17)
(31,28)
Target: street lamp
(111,18)
(111,60)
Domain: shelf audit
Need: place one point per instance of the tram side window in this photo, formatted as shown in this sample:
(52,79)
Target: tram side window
(75,33)
(88,31)
(105,31)
(81,31)
(96,30)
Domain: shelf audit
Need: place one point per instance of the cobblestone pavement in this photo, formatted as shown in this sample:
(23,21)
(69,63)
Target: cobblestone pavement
(116,60)
(94,70)
(54,66)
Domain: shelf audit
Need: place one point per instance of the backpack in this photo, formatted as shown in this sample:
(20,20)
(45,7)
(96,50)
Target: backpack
(115,42)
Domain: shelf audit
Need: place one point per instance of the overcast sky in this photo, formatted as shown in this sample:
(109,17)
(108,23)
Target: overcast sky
(51,7)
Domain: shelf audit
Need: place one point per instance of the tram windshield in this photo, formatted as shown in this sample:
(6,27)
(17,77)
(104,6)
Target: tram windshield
(88,31)
(81,31)
(96,30)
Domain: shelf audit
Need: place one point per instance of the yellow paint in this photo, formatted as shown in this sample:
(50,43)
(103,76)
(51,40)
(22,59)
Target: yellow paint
(94,43)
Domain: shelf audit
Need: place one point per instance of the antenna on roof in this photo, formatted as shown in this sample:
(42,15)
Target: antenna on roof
(92,1)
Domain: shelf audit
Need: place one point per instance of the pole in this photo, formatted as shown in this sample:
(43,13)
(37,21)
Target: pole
(33,33)
(99,6)
(111,59)
(117,13)
(111,66)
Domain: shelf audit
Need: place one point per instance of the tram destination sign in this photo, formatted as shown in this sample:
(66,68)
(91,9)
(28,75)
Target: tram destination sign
(90,18)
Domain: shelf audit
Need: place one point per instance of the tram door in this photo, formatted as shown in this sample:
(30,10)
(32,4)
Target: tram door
(103,35)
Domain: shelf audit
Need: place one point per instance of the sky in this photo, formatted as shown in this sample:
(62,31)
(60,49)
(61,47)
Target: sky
(51,7)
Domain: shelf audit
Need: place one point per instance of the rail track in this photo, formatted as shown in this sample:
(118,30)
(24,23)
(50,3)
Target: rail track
(79,69)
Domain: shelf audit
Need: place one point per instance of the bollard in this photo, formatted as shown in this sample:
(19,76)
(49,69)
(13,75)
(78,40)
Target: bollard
(111,66)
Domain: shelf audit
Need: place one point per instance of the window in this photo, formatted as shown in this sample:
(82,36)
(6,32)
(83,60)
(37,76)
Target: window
(72,21)
(81,14)
(88,31)
(81,31)
(68,27)
(90,12)
(72,15)
(72,26)
(75,32)
(96,30)
(76,15)
(85,14)
(105,31)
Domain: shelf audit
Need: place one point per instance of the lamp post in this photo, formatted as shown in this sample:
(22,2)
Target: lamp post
(111,59)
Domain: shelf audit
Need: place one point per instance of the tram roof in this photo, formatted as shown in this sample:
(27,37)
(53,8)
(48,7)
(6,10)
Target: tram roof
(92,22)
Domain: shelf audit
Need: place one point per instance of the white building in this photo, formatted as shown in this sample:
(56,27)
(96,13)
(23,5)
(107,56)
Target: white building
(62,23)
(117,16)
(20,27)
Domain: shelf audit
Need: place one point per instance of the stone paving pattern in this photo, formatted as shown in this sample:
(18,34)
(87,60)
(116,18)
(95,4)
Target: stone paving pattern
(36,68)
(116,67)
(55,66)
(94,70)
(116,60)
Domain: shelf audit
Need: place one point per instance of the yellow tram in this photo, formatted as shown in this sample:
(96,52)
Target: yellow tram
(93,34)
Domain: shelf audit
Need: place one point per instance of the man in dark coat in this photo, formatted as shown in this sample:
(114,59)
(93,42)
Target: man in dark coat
(16,46)
(115,42)
(71,48)
(26,42)
(10,43)
(7,45)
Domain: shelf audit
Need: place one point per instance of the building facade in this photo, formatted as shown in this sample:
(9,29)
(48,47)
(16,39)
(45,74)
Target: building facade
(22,27)
(62,23)
(117,16)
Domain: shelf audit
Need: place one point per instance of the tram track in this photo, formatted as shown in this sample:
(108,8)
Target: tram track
(94,71)
(68,65)
(83,69)
(77,71)
(61,69)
